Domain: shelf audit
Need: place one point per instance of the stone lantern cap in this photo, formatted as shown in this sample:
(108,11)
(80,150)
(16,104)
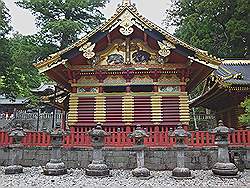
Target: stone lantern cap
(138,133)
(98,132)
(17,132)
(58,131)
(221,129)
(179,132)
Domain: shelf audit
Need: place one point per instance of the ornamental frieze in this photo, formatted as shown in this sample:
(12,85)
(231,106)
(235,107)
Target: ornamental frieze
(114,80)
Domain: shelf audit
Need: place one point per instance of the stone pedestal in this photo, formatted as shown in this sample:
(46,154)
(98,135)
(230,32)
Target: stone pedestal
(139,134)
(97,167)
(56,166)
(223,167)
(140,171)
(180,172)
(15,154)
(17,135)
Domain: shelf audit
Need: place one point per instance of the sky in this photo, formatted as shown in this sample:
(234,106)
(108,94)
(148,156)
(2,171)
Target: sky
(23,21)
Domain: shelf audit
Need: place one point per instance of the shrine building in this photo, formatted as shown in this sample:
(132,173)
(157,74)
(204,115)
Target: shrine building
(128,71)
(224,91)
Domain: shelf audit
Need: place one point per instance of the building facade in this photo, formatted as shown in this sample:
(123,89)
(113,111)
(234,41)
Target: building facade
(128,71)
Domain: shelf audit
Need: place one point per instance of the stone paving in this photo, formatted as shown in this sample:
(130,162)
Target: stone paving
(33,177)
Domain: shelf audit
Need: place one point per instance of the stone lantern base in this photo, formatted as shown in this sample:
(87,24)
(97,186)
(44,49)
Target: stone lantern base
(225,169)
(182,173)
(14,169)
(55,169)
(100,170)
(141,172)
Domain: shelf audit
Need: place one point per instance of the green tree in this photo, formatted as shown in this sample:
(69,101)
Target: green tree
(21,75)
(4,30)
(62,21)
(220,26)
(245,118)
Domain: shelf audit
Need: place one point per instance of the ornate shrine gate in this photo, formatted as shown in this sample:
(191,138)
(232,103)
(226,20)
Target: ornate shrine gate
(128,71)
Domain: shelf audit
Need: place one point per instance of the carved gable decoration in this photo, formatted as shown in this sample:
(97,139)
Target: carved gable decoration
(141,56)
(165,48)
(127,21)
(87,50)
(114,59)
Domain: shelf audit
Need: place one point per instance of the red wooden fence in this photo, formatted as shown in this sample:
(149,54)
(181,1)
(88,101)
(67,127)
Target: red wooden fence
(5,140)
(119,138)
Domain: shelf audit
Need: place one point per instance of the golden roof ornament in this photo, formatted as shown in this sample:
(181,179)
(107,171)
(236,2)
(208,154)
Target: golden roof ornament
(88,50)
(165,48)
(126,2)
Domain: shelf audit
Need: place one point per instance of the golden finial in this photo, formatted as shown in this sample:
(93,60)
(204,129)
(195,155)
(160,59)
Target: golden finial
(126,2)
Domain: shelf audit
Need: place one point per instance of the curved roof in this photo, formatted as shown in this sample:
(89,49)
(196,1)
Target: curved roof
(199,55)
(235,72)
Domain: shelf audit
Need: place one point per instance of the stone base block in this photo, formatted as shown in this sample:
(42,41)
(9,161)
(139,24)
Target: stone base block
(55,169)
(100,170)
(181,173)
(15,169)
(141,172)
(225,169)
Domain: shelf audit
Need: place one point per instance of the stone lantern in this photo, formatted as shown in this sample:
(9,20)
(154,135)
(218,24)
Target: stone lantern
(180,135)
(223,167)
(17,135)
(56,166)
(97,167)
(139,134)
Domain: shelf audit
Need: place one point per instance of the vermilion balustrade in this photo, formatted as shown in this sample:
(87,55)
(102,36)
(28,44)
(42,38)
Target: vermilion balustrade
(119,138)
(5,140)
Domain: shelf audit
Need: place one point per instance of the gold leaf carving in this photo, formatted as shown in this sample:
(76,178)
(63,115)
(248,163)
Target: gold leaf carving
(87,50)
(126,24)
(165,48)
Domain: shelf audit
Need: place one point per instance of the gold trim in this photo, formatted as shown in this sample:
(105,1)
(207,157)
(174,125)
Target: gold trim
(100,102)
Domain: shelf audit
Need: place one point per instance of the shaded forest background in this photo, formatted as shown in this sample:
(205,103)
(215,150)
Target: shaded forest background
(222,27)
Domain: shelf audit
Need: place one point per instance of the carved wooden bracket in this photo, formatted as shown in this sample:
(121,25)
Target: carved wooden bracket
(101,76)
(128,75)
(155,75)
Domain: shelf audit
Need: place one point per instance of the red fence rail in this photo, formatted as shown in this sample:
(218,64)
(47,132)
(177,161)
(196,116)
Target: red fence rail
(5,140)
(119,138)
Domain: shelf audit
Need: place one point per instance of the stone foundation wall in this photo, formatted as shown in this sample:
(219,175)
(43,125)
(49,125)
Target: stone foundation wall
(124,158)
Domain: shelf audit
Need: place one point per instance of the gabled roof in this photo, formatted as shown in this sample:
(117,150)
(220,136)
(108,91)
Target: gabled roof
(198,55)
(232,76)
(234,72)
(7,101)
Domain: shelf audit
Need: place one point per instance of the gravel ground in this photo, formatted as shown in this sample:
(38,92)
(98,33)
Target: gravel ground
(33,177)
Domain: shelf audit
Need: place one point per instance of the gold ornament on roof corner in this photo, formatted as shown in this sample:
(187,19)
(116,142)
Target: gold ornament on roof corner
(87,50)
(126,24)
(165,48)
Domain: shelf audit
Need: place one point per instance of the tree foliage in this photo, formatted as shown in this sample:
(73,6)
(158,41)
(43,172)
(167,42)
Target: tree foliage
(62,21)
(21,75)
(220,26)
(245,118)
(4,20)
(4,30)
